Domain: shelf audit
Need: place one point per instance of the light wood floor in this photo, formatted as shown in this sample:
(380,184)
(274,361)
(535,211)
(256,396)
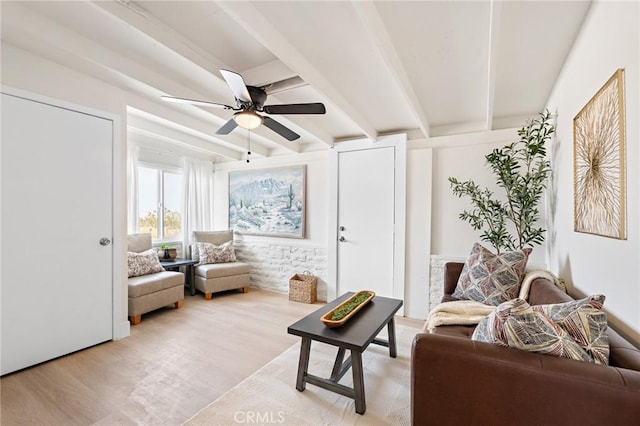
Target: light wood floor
(174,364)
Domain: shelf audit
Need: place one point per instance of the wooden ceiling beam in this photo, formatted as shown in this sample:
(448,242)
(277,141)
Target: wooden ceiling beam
(139,124)
(191,125)
(379,37)
(255,23)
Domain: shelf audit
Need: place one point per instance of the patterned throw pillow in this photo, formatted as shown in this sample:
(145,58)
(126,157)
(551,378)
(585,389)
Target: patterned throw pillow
(490,278)
(585,321)
(143,263)
(516,324)
(211,253)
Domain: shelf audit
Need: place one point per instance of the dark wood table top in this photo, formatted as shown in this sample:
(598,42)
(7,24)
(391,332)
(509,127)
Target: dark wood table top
(177,262)
(358,332)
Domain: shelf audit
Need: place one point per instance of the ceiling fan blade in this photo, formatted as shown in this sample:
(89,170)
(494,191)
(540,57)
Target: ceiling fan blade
(236,83)
(283,131)
(227,127)
(313,108)
(195,102)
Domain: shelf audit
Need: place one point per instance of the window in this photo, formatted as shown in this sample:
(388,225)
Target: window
(159,195)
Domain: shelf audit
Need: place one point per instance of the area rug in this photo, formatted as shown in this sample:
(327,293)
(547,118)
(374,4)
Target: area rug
(269,396)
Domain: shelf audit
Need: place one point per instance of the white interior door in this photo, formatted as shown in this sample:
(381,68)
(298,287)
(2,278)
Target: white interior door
(366,220)
(56,206)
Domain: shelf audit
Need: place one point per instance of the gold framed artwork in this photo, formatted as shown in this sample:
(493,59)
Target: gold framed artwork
(599,162)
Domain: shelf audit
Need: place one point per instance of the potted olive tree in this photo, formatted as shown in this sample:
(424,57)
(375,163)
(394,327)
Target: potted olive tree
(521,170)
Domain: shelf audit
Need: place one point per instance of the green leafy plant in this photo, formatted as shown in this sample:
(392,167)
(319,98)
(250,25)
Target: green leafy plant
(521,169)
(166,246)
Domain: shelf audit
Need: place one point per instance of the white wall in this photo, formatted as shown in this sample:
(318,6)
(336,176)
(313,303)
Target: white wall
(24,70)
(274,260)
(609,40)
(418,232)
(463,158)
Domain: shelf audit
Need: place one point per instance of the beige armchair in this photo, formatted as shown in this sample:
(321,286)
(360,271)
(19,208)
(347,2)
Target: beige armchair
(215,277)
(155,290)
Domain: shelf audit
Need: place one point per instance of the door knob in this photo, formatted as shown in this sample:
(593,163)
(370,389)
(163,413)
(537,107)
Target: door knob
(105,241)
(342,228)
(342,239)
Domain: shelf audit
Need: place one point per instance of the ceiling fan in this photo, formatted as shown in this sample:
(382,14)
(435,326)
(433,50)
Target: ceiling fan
(249,102)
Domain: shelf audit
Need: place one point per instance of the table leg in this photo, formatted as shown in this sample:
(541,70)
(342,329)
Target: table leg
(391,331)
(192,279)
(358,382)
(303,363)
(337,365)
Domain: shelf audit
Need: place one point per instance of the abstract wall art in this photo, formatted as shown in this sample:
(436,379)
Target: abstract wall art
(268,202)
(599,162)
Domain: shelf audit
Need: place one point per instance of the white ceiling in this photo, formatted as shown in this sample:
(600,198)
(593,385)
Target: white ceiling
(428,68)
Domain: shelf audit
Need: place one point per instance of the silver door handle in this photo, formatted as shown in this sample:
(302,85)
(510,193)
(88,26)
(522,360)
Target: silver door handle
(342,239)
(105,241)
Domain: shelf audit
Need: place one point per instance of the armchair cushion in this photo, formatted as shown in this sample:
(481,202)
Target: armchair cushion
(143,263)
(138,242)
(152,283)
(212,237)
(219,270)
(211,253)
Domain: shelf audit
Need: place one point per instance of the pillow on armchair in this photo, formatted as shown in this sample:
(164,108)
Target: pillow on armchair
(211,253)
(143,263)
(216,238)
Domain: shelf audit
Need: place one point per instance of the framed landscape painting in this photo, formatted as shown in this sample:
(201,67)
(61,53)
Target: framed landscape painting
(599,162)
(268,202)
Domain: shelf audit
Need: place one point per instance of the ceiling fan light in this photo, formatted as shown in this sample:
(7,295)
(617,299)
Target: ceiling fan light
(247,119)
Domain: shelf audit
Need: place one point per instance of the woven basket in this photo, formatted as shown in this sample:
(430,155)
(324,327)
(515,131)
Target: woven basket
(303,288)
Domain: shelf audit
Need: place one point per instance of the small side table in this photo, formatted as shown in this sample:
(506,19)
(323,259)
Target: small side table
(189,271)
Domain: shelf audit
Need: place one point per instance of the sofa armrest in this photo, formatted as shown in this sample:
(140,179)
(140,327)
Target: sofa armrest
(460,381)
(452,272)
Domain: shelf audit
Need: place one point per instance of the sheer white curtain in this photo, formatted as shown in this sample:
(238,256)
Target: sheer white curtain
(132,188)
(197,201)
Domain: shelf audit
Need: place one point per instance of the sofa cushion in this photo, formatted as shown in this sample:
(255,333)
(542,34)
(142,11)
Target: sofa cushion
(218,270)
(490,278)
(143,263)
(151,283)
(517,325)
(211,253)
(585,321)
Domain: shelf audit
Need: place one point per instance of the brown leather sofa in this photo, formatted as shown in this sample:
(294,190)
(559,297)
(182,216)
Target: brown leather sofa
(456,381)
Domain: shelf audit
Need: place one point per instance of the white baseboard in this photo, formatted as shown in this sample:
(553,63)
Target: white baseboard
(122,330)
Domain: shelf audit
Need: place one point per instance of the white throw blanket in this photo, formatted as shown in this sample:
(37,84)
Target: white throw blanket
(459,312)
(469,312)
(530,276)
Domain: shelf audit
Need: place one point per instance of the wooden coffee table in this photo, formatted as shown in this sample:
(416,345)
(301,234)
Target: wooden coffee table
(355,335)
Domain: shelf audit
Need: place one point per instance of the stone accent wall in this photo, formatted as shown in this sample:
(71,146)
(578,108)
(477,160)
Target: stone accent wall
(273,264)
(436,283)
